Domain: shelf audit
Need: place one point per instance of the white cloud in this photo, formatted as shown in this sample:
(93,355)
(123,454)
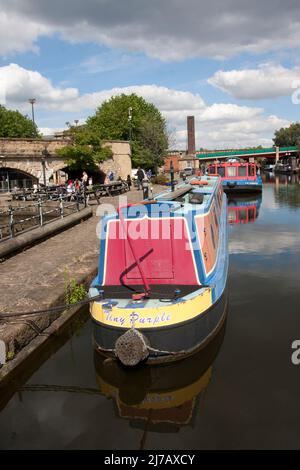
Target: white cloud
(217,126)
(45,131)
(267,81)
(19,84)
(229,112)
(19,33)
(169,30)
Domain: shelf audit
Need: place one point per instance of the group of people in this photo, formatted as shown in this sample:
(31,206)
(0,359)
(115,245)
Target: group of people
(77,185)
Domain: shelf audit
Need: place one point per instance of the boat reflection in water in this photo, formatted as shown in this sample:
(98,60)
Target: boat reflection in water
(158,398)
(243,210)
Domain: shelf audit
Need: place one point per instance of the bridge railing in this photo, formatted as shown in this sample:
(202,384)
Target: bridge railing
(245,152)
(17,220)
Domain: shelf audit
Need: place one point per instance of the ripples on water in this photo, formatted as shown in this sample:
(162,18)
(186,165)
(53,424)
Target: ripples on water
(240,392)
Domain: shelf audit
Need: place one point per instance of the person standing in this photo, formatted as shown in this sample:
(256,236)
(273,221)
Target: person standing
(140,176)
(84,178)
(129,182)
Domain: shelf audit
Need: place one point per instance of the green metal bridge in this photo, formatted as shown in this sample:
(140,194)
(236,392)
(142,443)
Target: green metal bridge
(269,152)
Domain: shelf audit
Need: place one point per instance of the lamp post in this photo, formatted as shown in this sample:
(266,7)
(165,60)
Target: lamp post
(130,122)
(45,154)
(32,101)
(172,176)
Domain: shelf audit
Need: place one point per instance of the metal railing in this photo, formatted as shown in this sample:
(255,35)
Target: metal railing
(43,213)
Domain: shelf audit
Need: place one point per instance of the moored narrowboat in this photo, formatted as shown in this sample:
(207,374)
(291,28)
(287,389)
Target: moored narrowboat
(162,274)
(237,176)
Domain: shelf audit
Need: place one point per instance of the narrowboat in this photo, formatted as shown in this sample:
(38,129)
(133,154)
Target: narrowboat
(286,166)
(160,398)
(162,274)
(243,210)
(237,176)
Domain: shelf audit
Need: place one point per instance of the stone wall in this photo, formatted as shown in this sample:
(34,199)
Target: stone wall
(32,147)
(25,155)
(120,164)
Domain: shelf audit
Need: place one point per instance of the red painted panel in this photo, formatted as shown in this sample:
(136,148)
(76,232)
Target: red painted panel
(170,262)
(158,264)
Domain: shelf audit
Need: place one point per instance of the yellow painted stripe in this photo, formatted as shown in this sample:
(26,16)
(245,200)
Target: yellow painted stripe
(162,400)
(165,315)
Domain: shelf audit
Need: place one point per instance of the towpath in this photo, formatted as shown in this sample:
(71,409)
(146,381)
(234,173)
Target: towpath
(35,278)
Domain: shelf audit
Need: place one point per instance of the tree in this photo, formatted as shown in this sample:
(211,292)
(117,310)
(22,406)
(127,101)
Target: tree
(14,125)
(288,136)
(144,127)
(84,151)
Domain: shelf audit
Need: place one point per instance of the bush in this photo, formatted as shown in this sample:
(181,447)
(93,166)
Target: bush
(160,179)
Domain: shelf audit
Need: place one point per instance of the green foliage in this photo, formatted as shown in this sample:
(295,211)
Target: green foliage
(146,130)
(85,151)
(10,355)
(74,292)
(288,136)
(160,179)
(14,125)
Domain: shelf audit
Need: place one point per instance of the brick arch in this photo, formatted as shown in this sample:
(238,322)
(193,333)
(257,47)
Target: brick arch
(56,166)
(25,169)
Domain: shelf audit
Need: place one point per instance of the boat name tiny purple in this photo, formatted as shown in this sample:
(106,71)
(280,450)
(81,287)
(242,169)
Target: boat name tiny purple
(135,319)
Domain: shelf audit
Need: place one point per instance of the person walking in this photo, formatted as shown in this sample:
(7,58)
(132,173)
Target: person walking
(140,176)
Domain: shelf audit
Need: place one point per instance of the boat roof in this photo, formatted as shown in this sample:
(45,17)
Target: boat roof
(207,190)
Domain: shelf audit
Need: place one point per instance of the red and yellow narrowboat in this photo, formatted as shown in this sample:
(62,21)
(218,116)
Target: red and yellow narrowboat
(237,176)
(162,274)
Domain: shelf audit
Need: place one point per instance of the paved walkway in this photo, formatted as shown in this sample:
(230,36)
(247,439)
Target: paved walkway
(35,278)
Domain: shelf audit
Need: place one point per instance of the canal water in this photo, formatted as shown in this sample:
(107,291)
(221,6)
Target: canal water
(241,392)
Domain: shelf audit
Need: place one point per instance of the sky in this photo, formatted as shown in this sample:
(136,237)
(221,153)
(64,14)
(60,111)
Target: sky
(233,64)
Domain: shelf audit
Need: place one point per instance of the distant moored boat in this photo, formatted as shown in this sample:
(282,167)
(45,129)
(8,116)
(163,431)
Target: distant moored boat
(237,176)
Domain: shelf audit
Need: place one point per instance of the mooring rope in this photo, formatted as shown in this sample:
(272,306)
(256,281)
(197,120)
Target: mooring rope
(49,309)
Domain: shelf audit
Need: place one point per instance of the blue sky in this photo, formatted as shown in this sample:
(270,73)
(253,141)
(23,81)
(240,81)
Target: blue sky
(232,64)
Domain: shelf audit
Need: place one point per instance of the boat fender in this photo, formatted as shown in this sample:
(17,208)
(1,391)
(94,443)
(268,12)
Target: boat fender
(131,348)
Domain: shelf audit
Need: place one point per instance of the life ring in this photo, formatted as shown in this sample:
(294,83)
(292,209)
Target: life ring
(199,183)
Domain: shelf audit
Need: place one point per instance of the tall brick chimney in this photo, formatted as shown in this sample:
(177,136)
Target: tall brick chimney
(191,135)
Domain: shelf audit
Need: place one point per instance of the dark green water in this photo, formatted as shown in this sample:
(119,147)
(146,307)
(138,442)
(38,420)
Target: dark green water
(240,393)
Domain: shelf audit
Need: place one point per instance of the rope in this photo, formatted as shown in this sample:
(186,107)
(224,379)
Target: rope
(49,309)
